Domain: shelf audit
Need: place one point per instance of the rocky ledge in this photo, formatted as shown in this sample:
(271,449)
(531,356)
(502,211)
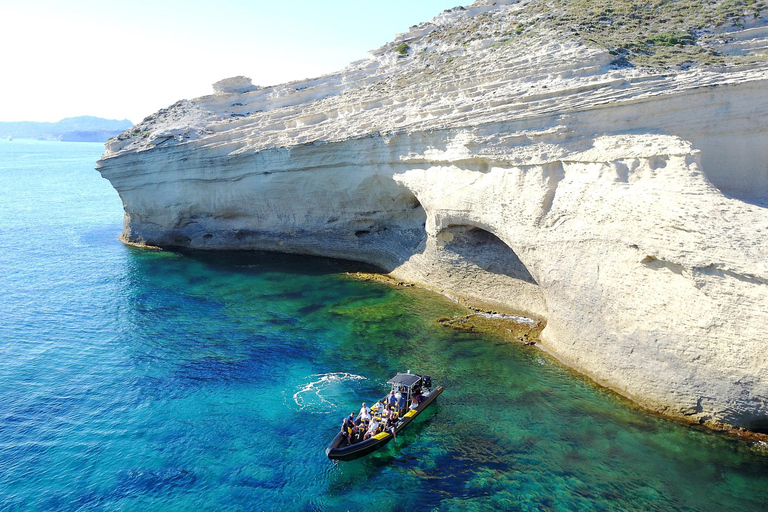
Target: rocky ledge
(522,154)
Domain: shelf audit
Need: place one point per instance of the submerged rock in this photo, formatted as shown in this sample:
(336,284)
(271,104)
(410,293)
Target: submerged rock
(504,157)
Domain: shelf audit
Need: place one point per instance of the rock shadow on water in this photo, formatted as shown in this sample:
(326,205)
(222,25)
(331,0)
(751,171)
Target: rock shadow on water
(262,262)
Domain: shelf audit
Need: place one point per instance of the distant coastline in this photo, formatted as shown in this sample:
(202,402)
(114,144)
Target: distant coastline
(70,129)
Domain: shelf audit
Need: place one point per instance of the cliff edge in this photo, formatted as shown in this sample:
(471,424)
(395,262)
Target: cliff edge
(599,165)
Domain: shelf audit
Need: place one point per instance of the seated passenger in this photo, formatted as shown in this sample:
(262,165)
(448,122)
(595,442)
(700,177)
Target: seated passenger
(372,429)
(357,433)
(364,414)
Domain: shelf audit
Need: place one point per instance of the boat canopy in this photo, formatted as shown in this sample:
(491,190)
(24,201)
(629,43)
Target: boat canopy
(405,379)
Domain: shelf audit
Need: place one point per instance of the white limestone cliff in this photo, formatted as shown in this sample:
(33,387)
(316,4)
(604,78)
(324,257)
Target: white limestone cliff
(626,206)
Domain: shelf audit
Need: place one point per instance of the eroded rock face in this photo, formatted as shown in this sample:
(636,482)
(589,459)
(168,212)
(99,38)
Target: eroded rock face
(625,206)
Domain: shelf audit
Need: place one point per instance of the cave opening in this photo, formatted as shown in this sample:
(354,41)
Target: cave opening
(483,249)
(476,263)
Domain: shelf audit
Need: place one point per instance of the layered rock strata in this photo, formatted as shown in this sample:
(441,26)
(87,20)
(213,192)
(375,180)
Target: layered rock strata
(625,206)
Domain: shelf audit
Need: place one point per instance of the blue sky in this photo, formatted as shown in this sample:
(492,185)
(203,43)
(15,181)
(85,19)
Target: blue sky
(128,59)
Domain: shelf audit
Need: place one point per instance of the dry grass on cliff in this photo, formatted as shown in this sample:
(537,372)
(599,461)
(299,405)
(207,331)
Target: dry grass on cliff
(656,33)
(651,33)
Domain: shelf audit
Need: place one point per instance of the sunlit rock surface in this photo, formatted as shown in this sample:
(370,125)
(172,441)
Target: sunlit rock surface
(522,169)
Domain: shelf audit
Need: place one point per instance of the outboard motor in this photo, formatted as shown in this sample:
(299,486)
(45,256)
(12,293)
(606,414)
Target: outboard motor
(428,381)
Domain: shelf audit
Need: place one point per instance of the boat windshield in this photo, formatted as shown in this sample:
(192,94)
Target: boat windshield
(404,384)
(405,379)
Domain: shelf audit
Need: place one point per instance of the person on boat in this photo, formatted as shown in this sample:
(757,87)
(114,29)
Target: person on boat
(346,430)
(372,429)
(417,396)
(358,432)
(364,414)
(400,402)
(392,401)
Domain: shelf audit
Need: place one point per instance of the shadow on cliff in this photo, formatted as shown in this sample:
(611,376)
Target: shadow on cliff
(486,251)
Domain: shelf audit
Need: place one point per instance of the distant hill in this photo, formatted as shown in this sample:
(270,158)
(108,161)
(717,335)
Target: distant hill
(73,129)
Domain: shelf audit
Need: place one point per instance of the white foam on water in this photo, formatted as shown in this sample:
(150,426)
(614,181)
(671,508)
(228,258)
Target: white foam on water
(318,393)
(514,318)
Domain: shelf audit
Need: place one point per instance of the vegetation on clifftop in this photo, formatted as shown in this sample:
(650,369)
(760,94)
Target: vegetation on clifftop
(655,33)
(648,33)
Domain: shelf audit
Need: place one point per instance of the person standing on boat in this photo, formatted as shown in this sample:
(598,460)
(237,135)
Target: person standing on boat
(346,430)
(400,402)
(392,400)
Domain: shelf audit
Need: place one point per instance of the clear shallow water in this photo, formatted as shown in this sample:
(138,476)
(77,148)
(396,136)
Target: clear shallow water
(143,380)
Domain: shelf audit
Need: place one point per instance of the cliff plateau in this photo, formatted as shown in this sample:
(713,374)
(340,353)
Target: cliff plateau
(515,154)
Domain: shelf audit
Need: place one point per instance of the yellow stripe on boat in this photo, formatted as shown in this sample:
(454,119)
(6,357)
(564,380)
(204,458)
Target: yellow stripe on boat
(410,413)
(381,435)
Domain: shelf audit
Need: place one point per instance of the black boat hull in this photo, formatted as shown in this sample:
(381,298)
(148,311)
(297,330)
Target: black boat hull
(338,451)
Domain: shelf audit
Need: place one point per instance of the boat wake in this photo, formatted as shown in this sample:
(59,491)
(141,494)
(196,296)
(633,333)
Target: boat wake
(325,391)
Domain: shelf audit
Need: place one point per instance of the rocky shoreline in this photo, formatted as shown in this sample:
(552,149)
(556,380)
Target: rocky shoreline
(509,326)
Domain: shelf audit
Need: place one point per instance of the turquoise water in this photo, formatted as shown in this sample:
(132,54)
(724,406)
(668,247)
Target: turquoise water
(144,380)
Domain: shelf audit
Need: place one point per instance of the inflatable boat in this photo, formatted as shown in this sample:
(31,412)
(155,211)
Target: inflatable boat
(418,393)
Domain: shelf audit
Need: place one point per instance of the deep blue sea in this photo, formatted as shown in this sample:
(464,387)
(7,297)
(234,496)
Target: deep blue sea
(146,380)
